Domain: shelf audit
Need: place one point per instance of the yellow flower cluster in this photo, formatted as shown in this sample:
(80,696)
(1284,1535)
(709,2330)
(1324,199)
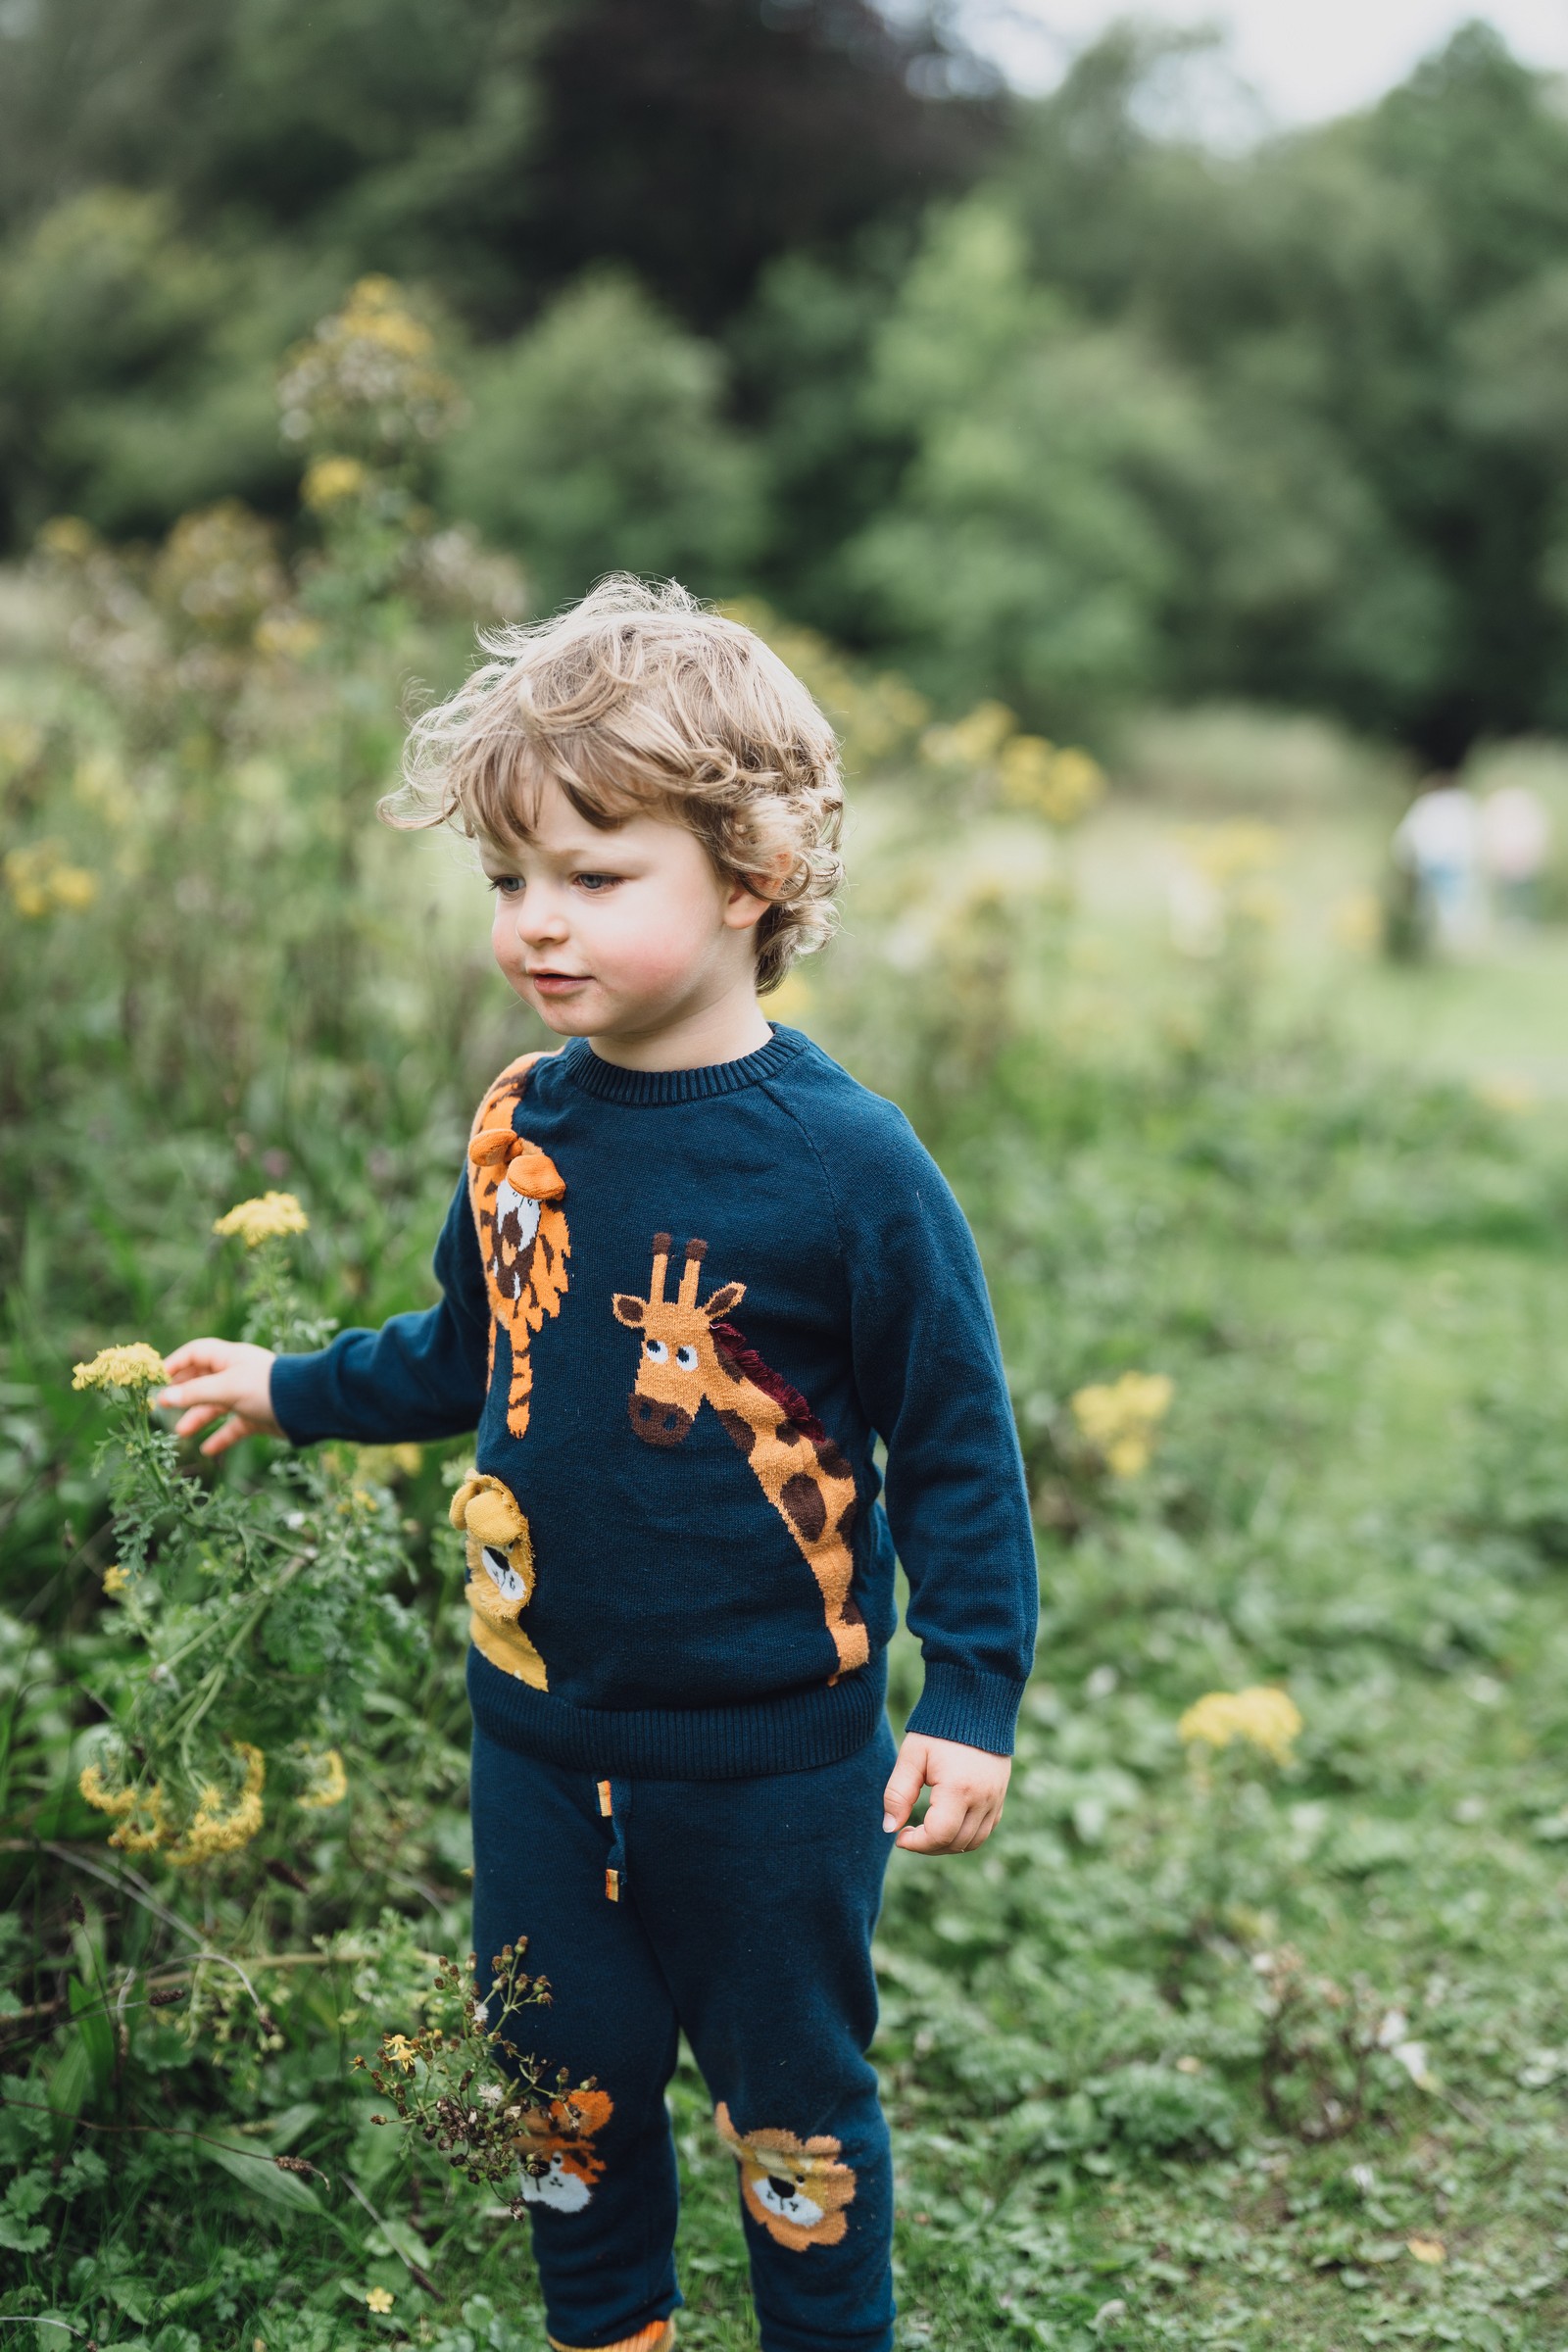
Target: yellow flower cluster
(42,881)
(400,2050)
(1264,1717)
(270,1218)
(116,1578)
(331,480)
(216,1827)
(1234,853)
(143,1823)
(367,375)
(1061,785)
(379,2298)
(135,1366)
(221,1829)
(1119,1418)
(331,1782)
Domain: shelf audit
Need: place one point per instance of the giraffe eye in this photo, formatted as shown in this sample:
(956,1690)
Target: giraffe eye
(657,1351)
(686,1358)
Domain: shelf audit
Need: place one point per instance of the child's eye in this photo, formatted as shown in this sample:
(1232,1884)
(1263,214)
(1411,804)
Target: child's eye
(596,882)
(505,886)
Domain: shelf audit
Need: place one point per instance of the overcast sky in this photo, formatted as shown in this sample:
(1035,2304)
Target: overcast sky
(1304,58)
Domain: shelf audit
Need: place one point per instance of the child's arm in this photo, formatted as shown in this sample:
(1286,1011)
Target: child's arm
(420,1376)
(928,1366)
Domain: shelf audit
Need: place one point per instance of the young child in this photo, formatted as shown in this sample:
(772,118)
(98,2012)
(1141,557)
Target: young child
(692,1272)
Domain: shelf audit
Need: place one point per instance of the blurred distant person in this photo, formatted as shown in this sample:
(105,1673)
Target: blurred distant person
(1515,842)
(1438,844)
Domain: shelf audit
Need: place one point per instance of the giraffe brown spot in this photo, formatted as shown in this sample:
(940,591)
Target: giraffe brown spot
(738,1428)
(801,1497)
(786,1432)
(832,1458)
(845,1519)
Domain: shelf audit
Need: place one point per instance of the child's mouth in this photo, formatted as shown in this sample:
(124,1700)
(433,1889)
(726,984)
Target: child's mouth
(557,984)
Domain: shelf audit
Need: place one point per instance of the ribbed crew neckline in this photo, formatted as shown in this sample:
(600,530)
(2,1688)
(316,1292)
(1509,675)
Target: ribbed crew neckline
(609,1083)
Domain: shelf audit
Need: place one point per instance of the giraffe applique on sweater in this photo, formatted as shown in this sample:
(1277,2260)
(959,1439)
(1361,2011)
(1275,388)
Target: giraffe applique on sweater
(515,1191)
(692,1356)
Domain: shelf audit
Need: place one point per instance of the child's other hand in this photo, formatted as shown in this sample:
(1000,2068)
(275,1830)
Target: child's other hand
(214,1377)
(967,1787)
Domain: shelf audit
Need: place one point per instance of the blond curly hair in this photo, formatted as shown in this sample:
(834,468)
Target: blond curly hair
(640,699)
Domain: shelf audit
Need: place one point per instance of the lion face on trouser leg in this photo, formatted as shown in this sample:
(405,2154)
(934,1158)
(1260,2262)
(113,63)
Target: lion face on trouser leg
(794,2188)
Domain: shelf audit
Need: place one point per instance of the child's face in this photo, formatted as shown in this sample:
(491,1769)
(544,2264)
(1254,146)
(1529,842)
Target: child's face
(616,934)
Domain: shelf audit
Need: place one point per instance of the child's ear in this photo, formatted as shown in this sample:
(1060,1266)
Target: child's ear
(628,1310)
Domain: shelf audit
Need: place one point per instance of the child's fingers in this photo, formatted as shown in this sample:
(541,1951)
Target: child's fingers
(944,1825)
(195,1356)
(216,1388)
(229,1435)
(198,1418)
(907,1781)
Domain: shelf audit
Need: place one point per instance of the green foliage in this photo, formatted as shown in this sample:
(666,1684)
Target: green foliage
(596,444)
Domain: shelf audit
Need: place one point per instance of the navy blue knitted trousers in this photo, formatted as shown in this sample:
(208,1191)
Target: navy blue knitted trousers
(740,1912)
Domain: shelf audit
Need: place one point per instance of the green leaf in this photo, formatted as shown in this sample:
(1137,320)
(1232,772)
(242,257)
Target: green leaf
(262,2176)
(282,2130)
(97,2034)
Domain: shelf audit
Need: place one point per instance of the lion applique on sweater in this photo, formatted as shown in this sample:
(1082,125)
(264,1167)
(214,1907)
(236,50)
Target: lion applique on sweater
(796,2189)
(561,2142)
(501,1575)
(515,1191)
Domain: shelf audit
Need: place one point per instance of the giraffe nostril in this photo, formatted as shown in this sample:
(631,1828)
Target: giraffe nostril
(655,1422)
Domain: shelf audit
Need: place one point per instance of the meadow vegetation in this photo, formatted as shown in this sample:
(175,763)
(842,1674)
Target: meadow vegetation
(1247,2026)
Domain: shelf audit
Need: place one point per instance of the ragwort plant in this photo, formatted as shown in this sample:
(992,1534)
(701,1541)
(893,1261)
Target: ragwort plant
(263,1616)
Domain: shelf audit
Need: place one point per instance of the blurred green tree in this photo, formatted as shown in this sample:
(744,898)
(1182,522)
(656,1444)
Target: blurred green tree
(596,442)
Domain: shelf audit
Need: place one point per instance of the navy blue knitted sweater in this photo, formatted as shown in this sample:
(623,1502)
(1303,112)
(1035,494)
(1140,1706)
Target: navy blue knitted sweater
(680,1306)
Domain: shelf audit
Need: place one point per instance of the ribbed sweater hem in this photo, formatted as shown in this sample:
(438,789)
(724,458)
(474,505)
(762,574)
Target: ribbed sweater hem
(742,1742)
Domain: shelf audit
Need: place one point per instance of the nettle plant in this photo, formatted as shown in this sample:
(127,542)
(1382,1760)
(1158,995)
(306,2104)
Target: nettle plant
(264,1614)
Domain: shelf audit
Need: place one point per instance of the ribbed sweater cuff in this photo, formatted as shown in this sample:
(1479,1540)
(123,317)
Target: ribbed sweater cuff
(964,1703)
(298,1399)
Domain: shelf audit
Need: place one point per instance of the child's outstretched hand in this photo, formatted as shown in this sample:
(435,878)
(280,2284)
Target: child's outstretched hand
(214,1377)
(967,1787)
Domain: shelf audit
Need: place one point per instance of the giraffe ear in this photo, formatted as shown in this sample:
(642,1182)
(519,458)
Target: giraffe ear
(728,1295)
(628,1310)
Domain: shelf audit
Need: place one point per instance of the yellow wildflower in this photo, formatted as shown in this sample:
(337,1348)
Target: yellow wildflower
(1427,2249)
(139,1812)
(1119,1418)
(331,480)
(287,636)
(100,1798)
(269,1218)
(116,1578)
(1234,852)
(221,1829)
(67,536)
(399,2049)
(973,741)
(1061,786)
(379,2298)
(134,1366)
(1266,1717)
(42,882)
(331,1783)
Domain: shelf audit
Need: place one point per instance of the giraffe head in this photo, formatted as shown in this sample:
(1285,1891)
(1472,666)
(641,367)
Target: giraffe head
(679,1364)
